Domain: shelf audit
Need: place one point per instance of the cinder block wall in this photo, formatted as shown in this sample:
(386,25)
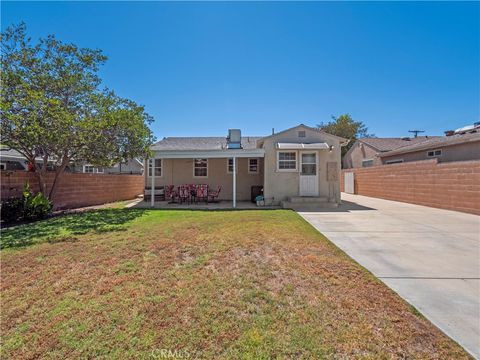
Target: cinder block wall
(452,185)
(76,190)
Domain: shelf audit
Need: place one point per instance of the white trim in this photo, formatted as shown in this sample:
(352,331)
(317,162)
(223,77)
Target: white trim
(193,167)
(301,146)
(248,166)
(95,169)
(149,174)
(152,177)
(296,161)
(317,171)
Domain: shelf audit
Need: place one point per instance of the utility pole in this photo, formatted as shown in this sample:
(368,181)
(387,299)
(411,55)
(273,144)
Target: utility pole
(416,132)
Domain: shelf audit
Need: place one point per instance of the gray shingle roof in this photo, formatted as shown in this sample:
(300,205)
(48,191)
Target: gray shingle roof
(435,142)
(10,153)
(202,143)
(388,144)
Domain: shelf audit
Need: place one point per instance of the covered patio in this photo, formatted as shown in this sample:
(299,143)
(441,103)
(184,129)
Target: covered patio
(210,179)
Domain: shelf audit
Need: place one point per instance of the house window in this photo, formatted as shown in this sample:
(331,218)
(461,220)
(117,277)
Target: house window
(158,167)
(367,163)
(200,167)
(3,166)
(287,161)
(90,169)
(434,153)
(396,161)
(302,133)
(253,166)
(230,165)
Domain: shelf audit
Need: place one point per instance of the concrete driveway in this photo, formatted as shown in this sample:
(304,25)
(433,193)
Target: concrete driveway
(430,257)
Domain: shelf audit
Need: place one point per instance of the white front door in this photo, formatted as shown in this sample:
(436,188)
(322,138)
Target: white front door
(308,174)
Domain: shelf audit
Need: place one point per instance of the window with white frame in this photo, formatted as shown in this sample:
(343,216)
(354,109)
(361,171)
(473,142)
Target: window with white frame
(367,162)
(434,153)
(158,167)
(90,169)
(287,160)
(200,167)
(3,166)
(230,165)
(253,165)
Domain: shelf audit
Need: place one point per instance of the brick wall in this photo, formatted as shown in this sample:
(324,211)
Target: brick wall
(77,190)
(452,185)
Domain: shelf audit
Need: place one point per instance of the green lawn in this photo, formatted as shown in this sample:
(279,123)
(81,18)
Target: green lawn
(126,284)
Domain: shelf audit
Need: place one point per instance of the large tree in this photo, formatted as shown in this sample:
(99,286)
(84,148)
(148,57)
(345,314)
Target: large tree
(52,107)
(346,127)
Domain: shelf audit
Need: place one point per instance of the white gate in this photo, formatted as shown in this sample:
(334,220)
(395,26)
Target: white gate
(349,182)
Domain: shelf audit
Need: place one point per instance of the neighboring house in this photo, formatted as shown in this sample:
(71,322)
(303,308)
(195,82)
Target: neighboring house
(301,163)
(133,166)
(456,147)
(365,152)
(13,160)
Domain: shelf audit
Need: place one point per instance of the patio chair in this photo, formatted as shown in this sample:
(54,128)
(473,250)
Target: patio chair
(202,192)
(170,193)
(213,194)
(183,193)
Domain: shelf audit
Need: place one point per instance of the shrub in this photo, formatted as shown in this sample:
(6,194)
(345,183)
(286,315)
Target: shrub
(37,207)
(12,210)
(28,207)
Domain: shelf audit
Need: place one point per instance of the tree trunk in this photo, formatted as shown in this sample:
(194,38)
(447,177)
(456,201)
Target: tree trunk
(42,181)
(41,173)
(58,174)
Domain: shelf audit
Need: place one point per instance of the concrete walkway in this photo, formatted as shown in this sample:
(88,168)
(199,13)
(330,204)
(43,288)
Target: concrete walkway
(430,257)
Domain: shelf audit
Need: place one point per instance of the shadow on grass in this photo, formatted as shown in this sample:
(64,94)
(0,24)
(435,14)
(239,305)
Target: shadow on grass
(54,229)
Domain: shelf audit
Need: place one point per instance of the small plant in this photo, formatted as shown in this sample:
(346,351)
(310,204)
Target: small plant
(28,207)
(37,207)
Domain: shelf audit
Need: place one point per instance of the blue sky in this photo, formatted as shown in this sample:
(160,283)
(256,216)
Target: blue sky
(201,68)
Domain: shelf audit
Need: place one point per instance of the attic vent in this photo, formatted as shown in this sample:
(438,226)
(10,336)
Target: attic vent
(406,138)
(301,133)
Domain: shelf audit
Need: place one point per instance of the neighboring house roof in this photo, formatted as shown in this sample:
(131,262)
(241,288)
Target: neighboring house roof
(388,144)
(12,154)
(435,143)
(202,143)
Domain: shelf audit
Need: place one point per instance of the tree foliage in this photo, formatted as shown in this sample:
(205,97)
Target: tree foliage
(344,126)
(52,107)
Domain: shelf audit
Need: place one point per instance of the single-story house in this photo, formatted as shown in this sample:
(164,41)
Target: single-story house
(298,164)
(456,147)
(365,151)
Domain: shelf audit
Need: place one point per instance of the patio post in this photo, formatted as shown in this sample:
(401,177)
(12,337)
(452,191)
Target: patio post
(234,182)
(152,195)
